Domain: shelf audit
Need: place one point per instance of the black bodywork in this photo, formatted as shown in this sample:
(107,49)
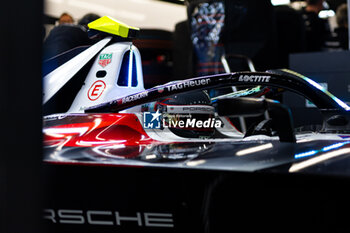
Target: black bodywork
(200,200)
(284,182)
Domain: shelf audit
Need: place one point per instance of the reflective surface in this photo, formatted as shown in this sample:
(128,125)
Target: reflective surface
(120,140)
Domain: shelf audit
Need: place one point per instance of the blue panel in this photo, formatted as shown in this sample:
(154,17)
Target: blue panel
(134,72)
(126,73)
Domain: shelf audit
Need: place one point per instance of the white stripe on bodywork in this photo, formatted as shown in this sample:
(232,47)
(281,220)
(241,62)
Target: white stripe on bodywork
(55,80)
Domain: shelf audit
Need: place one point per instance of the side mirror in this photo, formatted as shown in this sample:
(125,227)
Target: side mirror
(281,118)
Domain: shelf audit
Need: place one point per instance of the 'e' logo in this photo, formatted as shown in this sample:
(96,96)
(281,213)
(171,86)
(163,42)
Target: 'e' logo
(96,90)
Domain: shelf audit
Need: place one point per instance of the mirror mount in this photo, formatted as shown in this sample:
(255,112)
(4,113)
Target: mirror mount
(280,121)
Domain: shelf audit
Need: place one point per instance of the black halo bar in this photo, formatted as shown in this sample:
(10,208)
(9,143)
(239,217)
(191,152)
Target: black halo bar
(275,78)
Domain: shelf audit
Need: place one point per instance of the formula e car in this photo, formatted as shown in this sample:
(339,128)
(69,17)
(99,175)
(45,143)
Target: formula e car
(167,159)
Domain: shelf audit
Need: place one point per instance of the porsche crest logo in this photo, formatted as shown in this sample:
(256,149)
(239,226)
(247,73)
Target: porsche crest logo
(105,59)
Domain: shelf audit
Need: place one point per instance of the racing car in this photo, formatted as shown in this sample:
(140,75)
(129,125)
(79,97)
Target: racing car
(123,158)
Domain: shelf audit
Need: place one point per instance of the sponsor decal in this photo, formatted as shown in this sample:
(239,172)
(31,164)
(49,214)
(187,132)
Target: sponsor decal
(254,78)
(193,109)
(104,59)
(134,97)
(189,83)
(160,90)
(59,116)
(108,218)
(96,90)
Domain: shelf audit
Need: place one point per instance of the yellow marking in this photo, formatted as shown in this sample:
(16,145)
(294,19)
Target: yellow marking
(110,25)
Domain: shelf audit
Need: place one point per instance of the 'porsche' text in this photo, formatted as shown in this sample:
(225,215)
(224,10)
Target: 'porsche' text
(107,217)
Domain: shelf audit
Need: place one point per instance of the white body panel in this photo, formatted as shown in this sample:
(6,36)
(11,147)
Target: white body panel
(55,80)
(97,90)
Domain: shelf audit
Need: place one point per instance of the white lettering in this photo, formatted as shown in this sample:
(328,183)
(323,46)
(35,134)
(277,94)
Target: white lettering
(254,78)
(218,124)
(190,123)
(65,216)
(181,124)
(134,97)
(206,124)
(71,216)
(137,218)
(51,216)
(189,83)
(90,213)
(172,122)
(158,220)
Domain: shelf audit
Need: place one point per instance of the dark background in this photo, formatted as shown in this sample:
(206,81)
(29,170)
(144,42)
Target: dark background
(20,117)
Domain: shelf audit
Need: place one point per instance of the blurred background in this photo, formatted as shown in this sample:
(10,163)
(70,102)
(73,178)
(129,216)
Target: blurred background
(181,39)
(277,23)
(161,14)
